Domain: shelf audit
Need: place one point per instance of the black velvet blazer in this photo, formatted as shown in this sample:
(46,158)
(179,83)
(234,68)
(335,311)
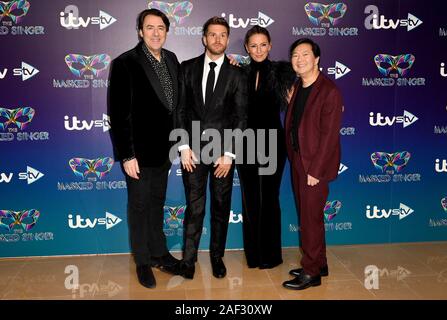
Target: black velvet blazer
(139,115)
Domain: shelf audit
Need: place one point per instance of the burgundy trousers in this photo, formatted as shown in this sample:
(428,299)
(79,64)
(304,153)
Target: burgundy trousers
(311,202)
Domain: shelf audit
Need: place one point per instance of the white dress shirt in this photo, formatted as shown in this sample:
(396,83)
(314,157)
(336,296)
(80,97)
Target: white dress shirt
(206,70)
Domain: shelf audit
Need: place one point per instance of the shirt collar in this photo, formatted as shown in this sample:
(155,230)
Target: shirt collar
(219,61)
(151,56)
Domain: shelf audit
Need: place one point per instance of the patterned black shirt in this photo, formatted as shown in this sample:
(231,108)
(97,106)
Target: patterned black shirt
(162,71)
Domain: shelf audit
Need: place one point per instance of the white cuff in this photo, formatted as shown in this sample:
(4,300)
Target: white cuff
(183,147)
(229,154)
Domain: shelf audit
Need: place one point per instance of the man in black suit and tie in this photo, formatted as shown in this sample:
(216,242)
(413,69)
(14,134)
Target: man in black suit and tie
(143,96)
(214,93)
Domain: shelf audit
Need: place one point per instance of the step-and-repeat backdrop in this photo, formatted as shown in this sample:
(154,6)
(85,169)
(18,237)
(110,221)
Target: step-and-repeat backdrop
(61,193)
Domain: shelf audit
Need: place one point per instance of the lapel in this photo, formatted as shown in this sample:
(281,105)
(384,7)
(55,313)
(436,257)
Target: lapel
(310,103)
(151,75)
(311,100)
(219,89)
(173,72)
(292,103)
(198,93)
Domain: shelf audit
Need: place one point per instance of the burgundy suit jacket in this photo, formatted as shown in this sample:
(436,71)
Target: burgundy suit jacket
(319,130)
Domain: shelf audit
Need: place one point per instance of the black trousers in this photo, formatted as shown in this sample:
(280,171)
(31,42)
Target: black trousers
(261,213)
(195,190)
(146,198)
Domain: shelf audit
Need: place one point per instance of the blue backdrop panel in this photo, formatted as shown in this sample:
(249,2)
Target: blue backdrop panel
(387,57)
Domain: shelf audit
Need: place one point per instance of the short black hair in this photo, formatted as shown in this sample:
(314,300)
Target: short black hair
(315,47)
(154,12)
(215,20)
(257,30)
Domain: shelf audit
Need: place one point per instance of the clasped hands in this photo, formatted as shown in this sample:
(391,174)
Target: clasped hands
(222,164)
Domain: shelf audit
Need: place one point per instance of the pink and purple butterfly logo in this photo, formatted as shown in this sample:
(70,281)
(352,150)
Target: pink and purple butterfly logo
(331,209)
(87,66)
(174,216)
(390,162)
(318,12)
(13,10)
(23,220)
(19,117)
(394,66)
(177,12)
(84,168)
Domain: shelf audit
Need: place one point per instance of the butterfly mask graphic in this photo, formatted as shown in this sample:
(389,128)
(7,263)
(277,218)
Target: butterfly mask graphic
(173,216)
(24,220)
(390,162)
(19,117)
(14,10)
(318,12)
(81,65)
(99,167)
(176,11)
(394,66)
(331,209)
(240,59)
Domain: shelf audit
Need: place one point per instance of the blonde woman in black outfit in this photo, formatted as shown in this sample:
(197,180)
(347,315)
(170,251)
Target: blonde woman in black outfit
(267,89)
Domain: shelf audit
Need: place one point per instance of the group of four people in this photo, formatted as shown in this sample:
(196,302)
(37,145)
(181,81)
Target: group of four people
(151,94)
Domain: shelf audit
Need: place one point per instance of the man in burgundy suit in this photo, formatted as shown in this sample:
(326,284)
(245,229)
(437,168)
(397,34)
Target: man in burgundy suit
(313,145)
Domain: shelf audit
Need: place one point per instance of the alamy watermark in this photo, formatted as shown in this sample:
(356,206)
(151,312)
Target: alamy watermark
(99,289)
(207,145)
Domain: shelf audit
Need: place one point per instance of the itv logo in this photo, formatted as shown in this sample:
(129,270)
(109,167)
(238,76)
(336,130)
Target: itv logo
(109,221)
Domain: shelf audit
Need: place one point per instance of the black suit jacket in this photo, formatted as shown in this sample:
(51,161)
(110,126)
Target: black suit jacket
(140,118)
(228,107)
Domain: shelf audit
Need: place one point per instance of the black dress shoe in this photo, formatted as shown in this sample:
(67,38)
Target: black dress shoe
(171,269)
(324,271)
(163,261)
(166,263)
(146,276)
(303,281)
(185,269)
(219,270)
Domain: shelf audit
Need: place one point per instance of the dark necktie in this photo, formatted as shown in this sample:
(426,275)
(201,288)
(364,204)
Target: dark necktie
(210,83)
